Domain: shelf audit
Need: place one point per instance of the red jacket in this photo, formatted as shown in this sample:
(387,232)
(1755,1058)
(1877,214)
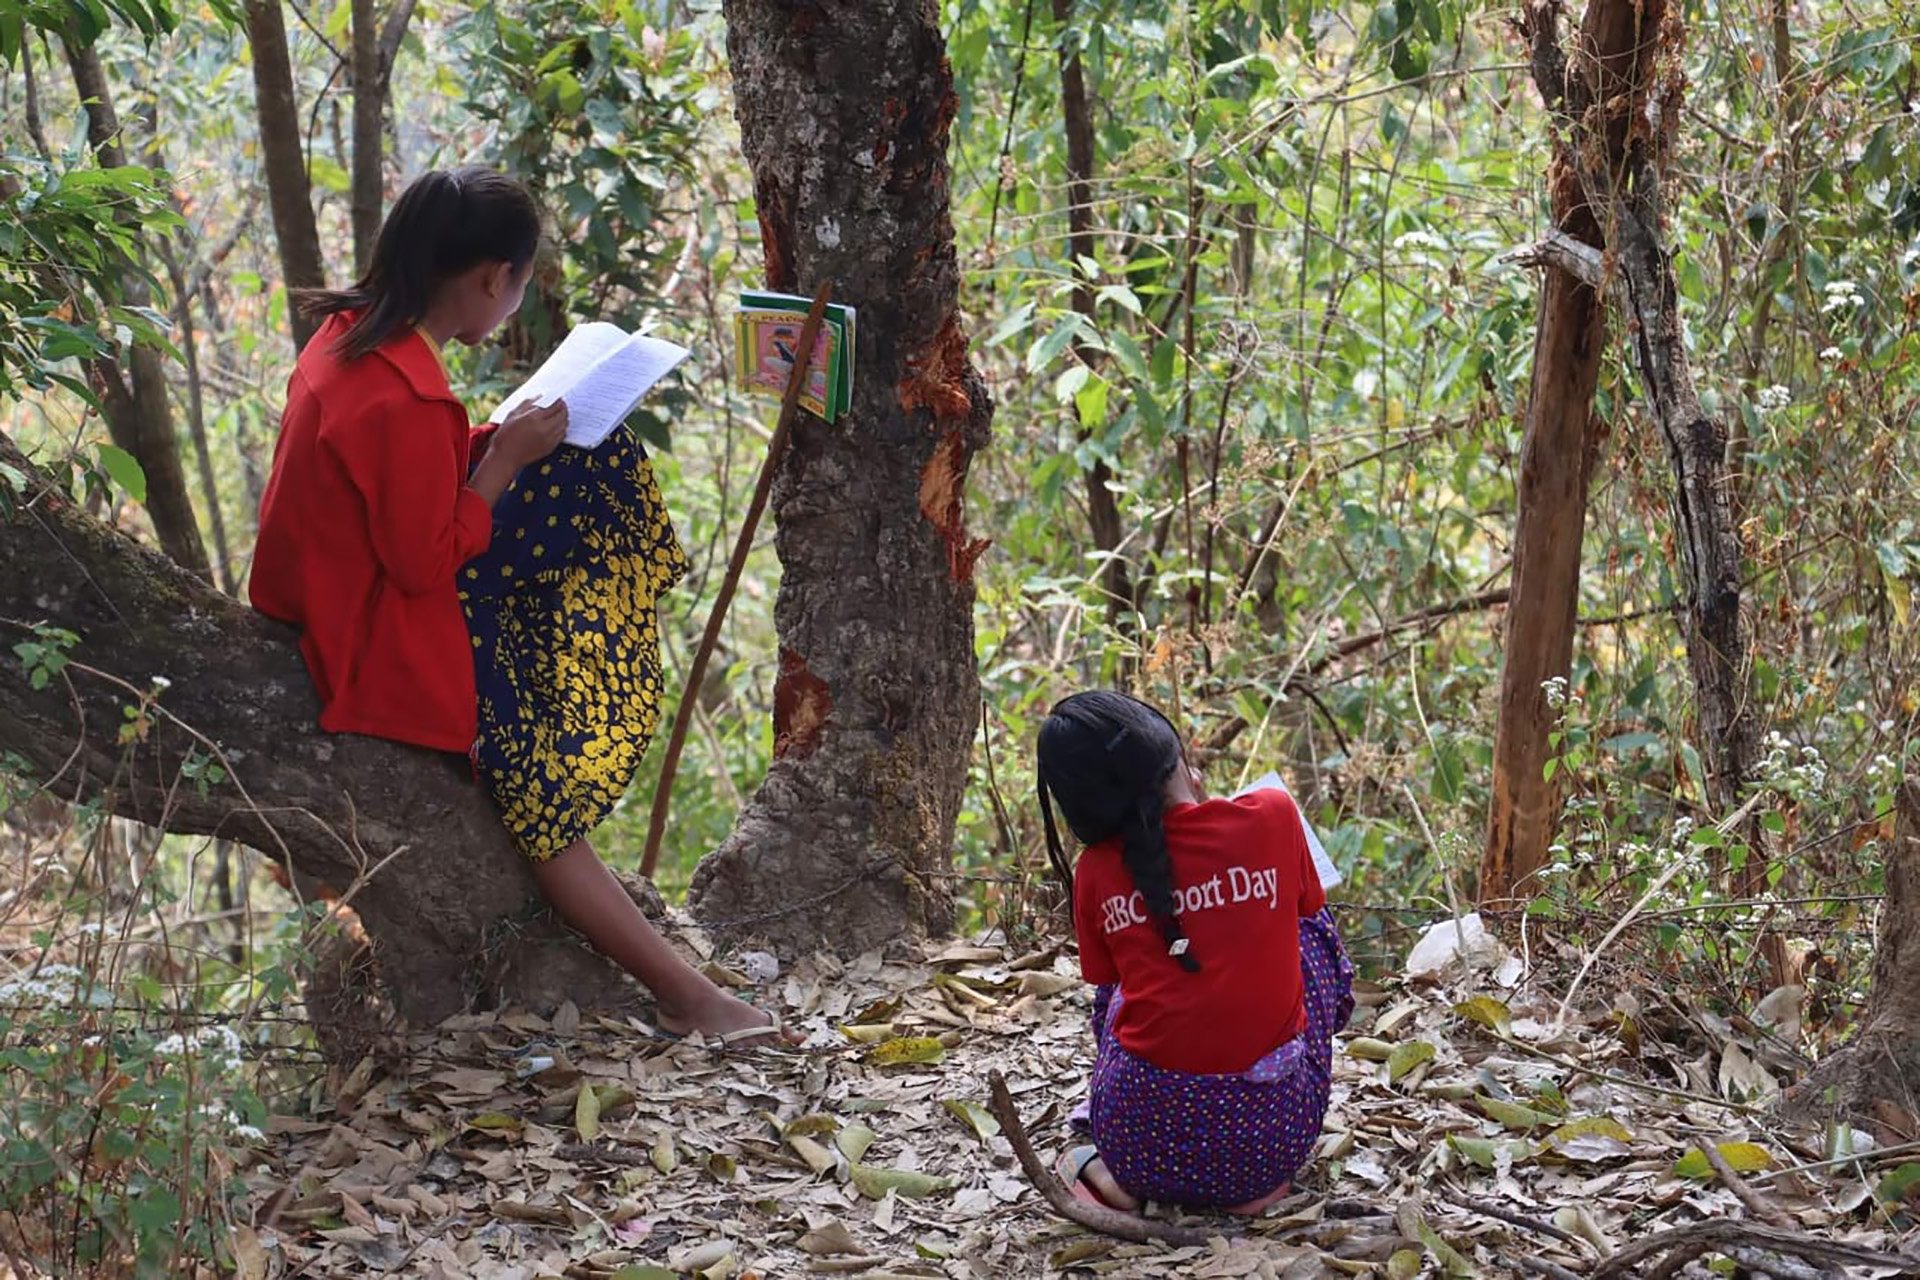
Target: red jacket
(365,521)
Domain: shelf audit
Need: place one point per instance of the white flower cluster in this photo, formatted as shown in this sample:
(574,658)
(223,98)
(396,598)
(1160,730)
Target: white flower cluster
(1773,397)
(1555,690)
(218,1043)
(1420,239)
(231,1122)
(1829,355)
(1789,771)
(58,986)
(1883,772)
(1842,295)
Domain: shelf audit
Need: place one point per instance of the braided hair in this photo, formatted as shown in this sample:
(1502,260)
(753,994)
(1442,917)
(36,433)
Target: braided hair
(1105,758)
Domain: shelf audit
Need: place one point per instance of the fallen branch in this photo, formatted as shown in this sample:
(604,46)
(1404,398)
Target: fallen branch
(1511,1218)
(1755,1202)
(1094,1217)
(1702,1237)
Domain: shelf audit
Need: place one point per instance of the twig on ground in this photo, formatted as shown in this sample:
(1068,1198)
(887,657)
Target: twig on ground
(1756,1203)
(1700,1237)
(1541,1267)
(1094,1217)
(1508,1216)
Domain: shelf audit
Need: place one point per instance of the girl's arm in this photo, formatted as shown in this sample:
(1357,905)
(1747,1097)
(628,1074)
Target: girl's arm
(529,434)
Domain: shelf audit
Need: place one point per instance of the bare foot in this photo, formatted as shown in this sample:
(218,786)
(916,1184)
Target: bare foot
(1095,1184)
(1254,1208)
(721,1014)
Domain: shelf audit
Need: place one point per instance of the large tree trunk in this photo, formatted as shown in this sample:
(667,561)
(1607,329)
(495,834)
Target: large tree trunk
(1618,97)
(133,396)
(284,160)
(844,121)
(450,906)
(1883,1060)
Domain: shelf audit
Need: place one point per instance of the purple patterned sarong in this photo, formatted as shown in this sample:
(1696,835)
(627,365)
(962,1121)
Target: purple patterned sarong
(1214,1141)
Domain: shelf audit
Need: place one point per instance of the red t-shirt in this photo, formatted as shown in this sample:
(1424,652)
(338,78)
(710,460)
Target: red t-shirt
(1242,879)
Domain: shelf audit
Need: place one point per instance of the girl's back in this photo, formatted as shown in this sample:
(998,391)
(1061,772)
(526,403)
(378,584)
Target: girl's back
(1242,879)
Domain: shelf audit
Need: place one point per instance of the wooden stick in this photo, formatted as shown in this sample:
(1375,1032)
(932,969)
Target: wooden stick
(1756,1203)
(1715,1235)
(1094,1217)
(776,449)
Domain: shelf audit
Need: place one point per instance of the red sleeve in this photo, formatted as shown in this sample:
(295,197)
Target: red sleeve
(1096,962)
(424,521)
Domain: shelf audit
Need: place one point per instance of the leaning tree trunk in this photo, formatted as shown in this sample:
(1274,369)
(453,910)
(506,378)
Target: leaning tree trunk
(844,122)
(1618,112)
(282,158)
(1883,1060)
(133,394)
(1550,519)
(450,906)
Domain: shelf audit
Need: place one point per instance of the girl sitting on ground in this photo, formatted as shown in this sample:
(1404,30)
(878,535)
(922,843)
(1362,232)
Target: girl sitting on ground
(1220,980)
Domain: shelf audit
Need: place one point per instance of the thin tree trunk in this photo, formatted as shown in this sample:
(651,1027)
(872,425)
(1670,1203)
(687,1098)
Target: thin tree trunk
(1103,511)
(197,419)
(134,397)
(845,126)
(284,160)
(1550,517)
(369,144)
(450,905)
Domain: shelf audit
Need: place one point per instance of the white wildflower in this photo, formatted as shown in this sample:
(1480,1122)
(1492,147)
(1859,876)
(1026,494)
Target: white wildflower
(1841,294)
(1774,397)
(1830,354)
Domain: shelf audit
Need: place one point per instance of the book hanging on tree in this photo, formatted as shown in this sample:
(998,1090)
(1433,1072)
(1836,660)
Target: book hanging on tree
(766,344)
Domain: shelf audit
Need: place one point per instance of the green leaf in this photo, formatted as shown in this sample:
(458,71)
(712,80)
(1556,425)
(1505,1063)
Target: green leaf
(853,1141)
(1741,1157)
(1042,353)
(1405,1057)
(1515,1116)
(122,468)
(1485,1153)
(1488,1012)
(665,1158)
(974,1116)
(1900,1184)
(586,1114)
(906,1051)
(874,1183)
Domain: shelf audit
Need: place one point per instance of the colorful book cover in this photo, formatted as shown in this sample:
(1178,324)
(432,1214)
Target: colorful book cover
(760,309)
(768,342)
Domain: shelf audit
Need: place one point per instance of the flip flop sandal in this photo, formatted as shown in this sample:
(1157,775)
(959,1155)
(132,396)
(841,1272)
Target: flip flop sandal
(732,1039)
(1071,1168)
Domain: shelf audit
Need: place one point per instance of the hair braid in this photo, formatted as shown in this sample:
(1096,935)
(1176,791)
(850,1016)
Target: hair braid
(1143,847)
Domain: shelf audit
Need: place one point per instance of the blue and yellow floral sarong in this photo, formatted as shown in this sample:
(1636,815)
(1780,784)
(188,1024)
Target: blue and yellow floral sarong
(566,647)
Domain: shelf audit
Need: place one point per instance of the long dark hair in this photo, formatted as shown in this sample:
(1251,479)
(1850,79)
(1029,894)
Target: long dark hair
(446,222)
(1105,759)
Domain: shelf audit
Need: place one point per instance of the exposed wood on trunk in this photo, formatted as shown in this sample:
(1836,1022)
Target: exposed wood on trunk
(844,121)
(133,393)
(1103,511)
(452,910)
(1618,99)
(277,110)
(1550,518)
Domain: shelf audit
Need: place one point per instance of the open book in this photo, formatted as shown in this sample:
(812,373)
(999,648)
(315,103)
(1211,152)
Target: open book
(1329,874)
(602,372)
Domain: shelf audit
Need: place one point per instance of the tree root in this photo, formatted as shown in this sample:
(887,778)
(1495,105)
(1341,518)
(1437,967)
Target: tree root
(1094,1217)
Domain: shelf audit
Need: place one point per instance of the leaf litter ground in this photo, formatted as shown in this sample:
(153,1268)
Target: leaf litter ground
(1474,1130)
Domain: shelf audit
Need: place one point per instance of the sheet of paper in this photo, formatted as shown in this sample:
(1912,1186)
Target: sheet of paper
(1329,874)
(602,373)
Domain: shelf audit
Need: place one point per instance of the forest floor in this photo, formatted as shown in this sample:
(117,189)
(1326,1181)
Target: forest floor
(1471,1128)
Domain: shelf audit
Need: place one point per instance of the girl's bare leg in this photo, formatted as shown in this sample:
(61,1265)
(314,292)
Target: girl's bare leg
(592,900)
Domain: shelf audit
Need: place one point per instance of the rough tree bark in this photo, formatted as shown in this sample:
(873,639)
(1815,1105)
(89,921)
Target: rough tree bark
(1618,113)
(133,396)
(1103,511)
(844,121)
(450,907)
(374,48)
(1550,519)
(284,160)
(1883,1061)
